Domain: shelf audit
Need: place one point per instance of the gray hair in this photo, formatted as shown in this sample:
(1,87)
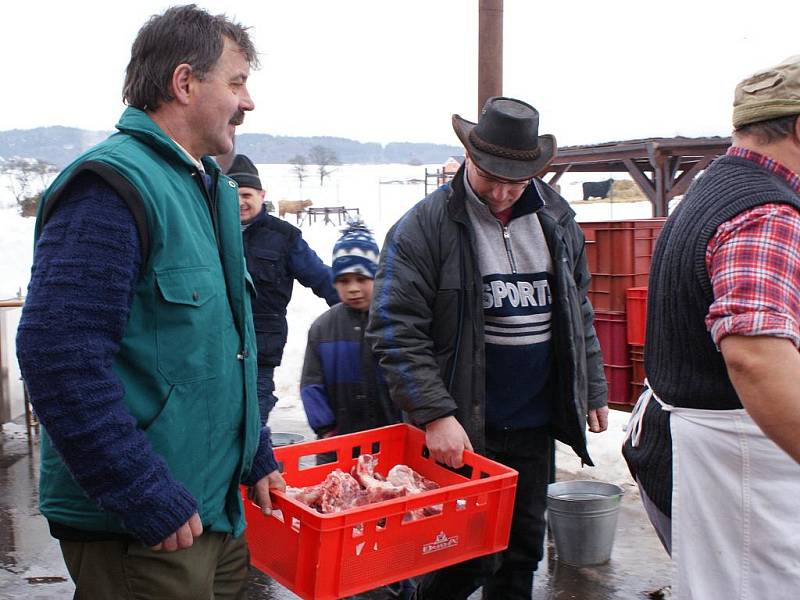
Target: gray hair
(183,34)
(769,131)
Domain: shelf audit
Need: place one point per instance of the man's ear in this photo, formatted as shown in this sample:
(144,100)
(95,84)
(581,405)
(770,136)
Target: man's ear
(262,194)
(182,80)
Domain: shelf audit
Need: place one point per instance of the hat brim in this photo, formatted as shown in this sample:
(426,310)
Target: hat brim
(247,180)
(506,168)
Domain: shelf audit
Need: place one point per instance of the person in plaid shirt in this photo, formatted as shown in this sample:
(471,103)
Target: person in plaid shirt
(713,440)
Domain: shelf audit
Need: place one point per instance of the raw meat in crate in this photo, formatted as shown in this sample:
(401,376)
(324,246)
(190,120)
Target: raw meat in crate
(310,496)
(405,476)
(342,491)
(377,488)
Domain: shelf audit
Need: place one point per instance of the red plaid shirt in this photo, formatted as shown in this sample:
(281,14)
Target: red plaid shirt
(753,261)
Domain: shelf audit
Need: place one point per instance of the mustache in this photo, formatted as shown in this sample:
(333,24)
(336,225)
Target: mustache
(238,118)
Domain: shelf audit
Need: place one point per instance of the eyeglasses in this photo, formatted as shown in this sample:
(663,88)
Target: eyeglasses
(499,180)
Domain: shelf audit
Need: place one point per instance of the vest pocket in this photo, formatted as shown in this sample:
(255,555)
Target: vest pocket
(180,435)
(188,324)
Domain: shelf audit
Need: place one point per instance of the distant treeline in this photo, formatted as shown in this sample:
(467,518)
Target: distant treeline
(59,145)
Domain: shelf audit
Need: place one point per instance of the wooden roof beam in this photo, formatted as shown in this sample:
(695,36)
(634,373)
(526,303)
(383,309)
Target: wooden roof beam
(698,146)
(557,173)
(681,184)
(596,167)
(641,179)
(595,154)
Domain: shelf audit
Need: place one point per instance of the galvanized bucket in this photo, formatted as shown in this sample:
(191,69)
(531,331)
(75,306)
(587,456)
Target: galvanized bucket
(583,520)
(282,438)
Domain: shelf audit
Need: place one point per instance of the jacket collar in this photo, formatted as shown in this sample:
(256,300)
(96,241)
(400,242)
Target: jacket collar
(137,123)
(538,197)
(354,312)
(261,216)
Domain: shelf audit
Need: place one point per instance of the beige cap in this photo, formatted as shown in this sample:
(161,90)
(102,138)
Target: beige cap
(768,94)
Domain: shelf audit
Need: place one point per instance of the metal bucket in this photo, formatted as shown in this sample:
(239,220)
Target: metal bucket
(583,520)
(282,438)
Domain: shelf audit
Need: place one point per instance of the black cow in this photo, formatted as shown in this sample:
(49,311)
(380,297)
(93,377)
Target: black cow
(596,189)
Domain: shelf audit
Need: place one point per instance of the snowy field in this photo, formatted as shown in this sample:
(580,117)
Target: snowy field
(382,193)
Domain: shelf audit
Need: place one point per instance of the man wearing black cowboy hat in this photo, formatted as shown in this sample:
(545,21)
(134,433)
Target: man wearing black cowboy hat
(484,332)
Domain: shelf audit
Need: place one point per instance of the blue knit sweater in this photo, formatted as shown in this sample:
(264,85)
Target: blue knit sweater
(82,283)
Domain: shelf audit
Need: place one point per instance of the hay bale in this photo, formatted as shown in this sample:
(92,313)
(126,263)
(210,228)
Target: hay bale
(626,189)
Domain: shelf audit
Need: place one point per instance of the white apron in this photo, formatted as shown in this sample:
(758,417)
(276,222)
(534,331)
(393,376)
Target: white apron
(735,506)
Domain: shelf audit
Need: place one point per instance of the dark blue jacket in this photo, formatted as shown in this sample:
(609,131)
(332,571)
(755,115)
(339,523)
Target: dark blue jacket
(342,387)
(276,255)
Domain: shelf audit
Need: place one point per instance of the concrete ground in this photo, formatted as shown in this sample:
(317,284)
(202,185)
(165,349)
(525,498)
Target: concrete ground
(31,565)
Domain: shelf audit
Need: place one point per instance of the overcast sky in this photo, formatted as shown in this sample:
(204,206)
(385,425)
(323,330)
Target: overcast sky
(381,71)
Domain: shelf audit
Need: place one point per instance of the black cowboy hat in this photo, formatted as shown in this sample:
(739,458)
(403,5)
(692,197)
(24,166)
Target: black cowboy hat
(506,142)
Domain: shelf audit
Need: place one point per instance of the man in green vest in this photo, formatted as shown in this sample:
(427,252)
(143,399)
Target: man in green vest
(137,343)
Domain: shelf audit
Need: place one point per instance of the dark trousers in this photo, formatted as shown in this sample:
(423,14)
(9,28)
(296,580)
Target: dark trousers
(265,388)
(402,590)
(507,575)
(214,568)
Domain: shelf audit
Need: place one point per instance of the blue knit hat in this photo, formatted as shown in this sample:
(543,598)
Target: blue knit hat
(355,252)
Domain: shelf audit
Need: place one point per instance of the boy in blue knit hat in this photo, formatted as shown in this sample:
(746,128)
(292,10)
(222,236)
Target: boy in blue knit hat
(342,388)
(341,385)
(355,261)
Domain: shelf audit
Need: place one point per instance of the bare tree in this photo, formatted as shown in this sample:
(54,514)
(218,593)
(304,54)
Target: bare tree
(299,163)
(323,157)
(28,177)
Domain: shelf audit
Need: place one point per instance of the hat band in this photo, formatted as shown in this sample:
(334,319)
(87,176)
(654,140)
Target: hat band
(484,146)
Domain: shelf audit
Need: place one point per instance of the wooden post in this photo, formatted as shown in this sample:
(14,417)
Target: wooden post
(5,388)
(490,50)
(6,357)
(660,202)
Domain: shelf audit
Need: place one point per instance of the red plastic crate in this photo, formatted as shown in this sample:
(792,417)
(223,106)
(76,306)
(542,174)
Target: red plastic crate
(619,255)
(610,328)
(636,303)
(621,247)
(638,376)
(618,378)
(607,292)
(330,556)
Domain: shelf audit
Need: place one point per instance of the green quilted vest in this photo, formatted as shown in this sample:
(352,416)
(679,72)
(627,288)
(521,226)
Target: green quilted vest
(187,359)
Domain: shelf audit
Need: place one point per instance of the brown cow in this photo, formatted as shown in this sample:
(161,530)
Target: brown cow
(293,207)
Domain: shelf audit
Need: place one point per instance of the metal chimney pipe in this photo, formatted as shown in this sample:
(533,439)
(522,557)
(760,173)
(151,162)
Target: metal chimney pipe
(490,50)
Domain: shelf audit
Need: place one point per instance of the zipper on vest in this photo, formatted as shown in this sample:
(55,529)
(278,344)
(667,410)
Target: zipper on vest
(507,242)
(210,204)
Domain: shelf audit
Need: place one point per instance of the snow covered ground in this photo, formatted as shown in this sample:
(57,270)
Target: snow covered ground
(382,193)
